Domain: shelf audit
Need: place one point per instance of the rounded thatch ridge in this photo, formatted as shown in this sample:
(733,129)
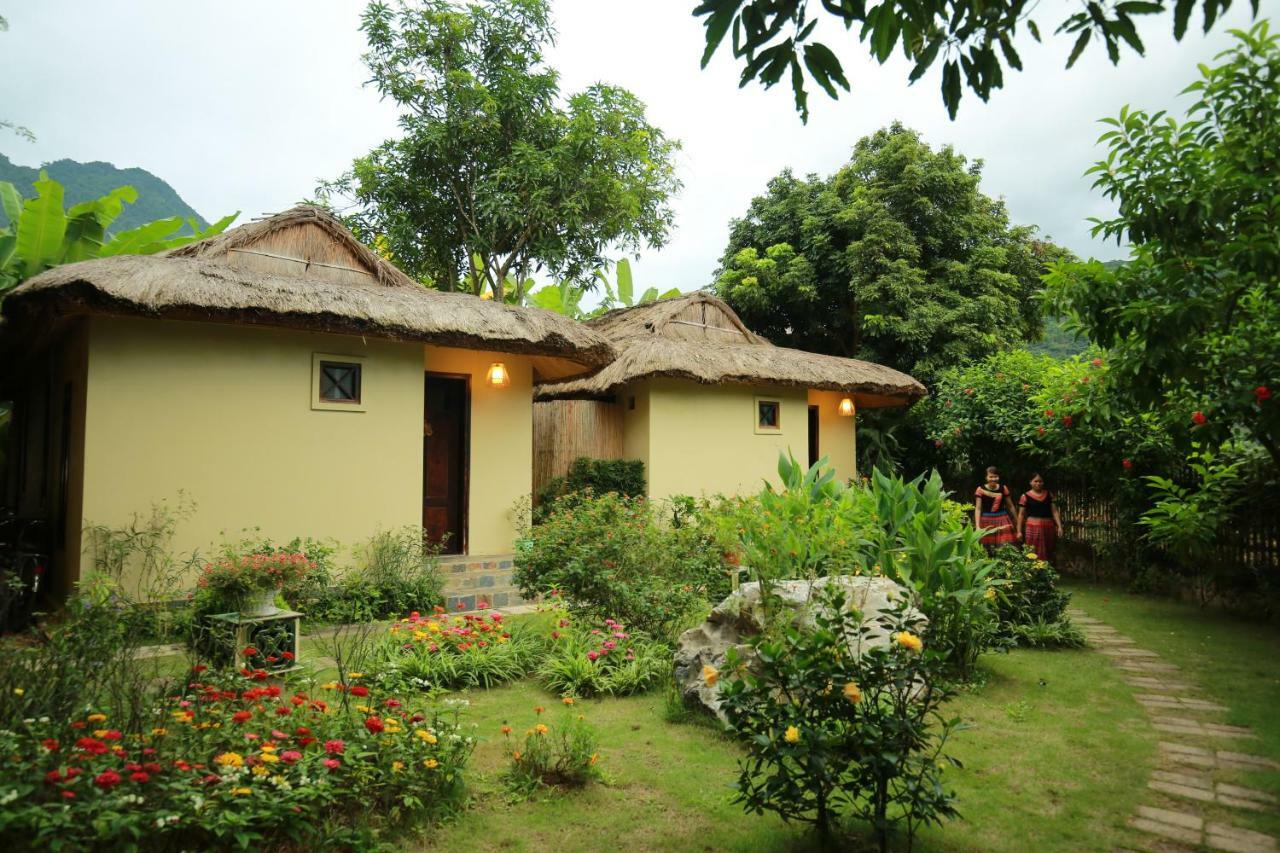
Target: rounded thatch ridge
(231,278)
(666,339)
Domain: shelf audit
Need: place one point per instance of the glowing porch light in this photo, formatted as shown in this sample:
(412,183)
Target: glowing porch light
(498,376)
(846,407)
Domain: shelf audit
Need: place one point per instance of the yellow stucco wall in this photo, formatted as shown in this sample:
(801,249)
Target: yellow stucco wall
(224,414)
(501,443)
(702,438)
(635,422)
(836,434)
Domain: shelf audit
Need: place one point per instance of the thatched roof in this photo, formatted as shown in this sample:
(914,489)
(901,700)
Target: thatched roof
(700,338)
(301,269)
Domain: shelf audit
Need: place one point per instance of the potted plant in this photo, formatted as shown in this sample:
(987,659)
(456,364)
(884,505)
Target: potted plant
(253,580)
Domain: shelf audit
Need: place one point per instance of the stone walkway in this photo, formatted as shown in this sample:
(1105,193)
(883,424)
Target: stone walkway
(1188,779)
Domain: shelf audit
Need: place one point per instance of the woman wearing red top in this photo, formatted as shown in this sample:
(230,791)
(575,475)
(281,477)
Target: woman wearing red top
(993,512)
(1038,520)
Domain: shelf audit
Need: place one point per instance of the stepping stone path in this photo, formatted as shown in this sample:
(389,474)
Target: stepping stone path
(1188,773)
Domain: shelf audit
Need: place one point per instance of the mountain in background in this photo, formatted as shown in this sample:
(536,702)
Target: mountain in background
(85,181)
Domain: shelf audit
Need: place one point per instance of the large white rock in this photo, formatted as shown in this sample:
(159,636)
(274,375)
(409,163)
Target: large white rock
(737,620)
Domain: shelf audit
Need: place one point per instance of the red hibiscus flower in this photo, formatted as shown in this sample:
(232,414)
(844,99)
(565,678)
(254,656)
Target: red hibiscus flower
(107,780)
(50,744)
(1127,464)
(1262,392)
(1198,418)
(53,777)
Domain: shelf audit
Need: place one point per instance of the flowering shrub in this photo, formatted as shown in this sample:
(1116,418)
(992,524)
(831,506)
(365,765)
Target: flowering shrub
(563,755)
(828,733)
(226,764)
(1030,607)
(247,573)
(615,556)
(466,650)
(587,658)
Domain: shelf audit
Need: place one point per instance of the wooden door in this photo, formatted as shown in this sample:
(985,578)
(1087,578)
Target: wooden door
(813,436)
(445,452)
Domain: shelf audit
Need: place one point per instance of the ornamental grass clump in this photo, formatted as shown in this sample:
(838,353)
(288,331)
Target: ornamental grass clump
(563,754)
(230,762)
(589,658)
(831,735)
(437,650)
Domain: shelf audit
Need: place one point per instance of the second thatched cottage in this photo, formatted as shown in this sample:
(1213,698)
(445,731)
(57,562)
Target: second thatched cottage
(707,404)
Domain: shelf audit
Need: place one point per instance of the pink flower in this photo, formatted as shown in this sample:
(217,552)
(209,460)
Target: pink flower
(332,763)
(290,756)
(335,747)
(591,656)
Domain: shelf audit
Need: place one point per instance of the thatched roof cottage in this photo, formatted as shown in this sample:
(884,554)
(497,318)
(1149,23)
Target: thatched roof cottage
(284,377)
(706,403)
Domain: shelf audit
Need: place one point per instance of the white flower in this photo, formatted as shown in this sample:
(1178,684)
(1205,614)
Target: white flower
(9,797)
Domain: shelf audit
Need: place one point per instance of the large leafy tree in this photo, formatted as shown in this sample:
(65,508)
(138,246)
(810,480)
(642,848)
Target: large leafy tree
(897,258)
(973,38)
(1192,320)
(496,174)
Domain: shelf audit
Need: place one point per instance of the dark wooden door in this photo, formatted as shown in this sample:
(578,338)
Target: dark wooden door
(813,436)
(446,424)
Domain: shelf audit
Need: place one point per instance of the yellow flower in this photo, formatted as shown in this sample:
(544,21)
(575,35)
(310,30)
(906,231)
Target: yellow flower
(433,627)
(425,735)
(241,792)
(397,766)
(792,735)
(364,709)
(568,700)
(18,691)
(268,758)
(102,718)
(230,759)
(355,675)
(710,675)
(908,640)
(989,594)
(541,729)
(259,770)
(1032,555)
(159,732)
(100,733)
(853,693)
(501,640)
(431,764)
(269,747)
(595,756)
(419,635)
(332,685)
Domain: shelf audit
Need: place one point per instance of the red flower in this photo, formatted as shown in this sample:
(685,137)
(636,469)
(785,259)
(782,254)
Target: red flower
(78,724)
(360,690)
(242,716)
(1127,463)
(332,763)
(1048,413)
(1097,362)
(140,777)
(335,747)
(968,391)
(302,730)
(1066,420)
(50,744)
(392,703)
(91,746)
(374,725)
(1262,392)
(287,655)
(1040,431)
(937,442)
(290,756)
(152,767)
(73,772)
(249,651)
(53,777)
(199,668)
(112,735)
(283,711)
(107,780)
(1198,418)
(306,741)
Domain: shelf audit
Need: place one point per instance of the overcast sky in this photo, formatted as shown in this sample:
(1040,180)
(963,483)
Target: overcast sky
(244,104)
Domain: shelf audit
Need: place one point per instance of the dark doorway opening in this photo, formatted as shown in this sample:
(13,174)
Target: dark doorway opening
(813,436)
(446,438)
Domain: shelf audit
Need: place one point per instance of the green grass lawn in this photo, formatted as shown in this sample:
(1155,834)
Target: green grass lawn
(1223,658)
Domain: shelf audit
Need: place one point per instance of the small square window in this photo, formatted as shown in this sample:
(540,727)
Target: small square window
(339,382)
(768,415)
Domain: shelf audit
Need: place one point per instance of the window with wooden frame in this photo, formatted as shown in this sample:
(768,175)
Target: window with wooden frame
(337,383)
(768,412)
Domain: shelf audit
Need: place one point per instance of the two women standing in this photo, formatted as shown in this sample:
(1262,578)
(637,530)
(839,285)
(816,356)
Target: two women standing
(1035,519)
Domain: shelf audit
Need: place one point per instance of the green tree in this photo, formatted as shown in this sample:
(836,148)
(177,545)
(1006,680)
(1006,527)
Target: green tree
(898,258)
(41,234)
(493,164)
(972,37)
(1192,320)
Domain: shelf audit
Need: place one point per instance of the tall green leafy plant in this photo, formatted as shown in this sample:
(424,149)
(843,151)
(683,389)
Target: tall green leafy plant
(42,234)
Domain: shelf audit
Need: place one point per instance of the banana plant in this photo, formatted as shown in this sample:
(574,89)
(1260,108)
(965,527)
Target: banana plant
(563,298)
(622,295)
(41,234)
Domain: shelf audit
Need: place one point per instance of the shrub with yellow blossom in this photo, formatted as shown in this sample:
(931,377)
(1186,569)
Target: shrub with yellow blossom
(563,754)
(1029,606)
(829,734)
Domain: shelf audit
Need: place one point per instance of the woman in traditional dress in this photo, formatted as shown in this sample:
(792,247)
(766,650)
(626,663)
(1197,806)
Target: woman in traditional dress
(1039,523)
(993,512)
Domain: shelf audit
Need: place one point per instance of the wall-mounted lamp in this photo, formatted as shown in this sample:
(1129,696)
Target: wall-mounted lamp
(846,407)
(498,376)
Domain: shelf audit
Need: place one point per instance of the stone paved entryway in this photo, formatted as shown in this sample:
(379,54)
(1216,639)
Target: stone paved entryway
(1189,776)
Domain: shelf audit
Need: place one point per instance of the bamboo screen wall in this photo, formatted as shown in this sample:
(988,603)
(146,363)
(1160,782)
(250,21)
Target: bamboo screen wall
(564,430)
